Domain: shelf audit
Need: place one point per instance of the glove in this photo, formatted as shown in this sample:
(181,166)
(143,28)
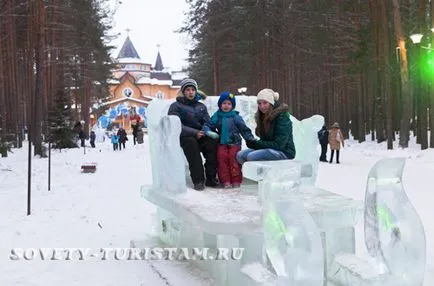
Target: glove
(212,134)
(252,144)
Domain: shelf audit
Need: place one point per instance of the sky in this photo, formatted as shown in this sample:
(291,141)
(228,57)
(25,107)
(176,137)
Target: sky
(152,23)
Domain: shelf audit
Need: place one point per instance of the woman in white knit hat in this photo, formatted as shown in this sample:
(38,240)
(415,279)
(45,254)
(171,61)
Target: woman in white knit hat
(274,129)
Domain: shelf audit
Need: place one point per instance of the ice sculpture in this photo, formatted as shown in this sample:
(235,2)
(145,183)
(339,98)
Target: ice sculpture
(291,238)
(99,133)
(171,168)
(306,143)
(286,227)
(394,234)
(167,158)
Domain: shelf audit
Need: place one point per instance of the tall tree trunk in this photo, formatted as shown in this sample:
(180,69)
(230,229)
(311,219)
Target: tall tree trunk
(2,85)
(404,134)
(387,95)
(39,80)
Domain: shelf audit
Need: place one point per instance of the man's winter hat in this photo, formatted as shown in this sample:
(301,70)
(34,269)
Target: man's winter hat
(188,82)
(226,95)
(268,95)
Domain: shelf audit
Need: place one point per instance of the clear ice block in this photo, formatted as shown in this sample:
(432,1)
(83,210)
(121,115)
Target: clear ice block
(305,133)
(394,234)
(292,240)
(167,158)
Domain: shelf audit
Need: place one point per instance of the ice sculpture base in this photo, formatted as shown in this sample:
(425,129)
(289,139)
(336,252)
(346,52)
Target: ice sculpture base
(257,275)
(348,269)
(218,218)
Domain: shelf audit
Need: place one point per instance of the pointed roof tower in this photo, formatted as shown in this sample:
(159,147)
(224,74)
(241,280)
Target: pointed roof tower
(158,71)
(159,63)
(128,50)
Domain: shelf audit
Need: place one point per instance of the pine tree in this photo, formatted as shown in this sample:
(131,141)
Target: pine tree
(62,134)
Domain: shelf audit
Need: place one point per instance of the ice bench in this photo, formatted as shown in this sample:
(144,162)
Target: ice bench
(221,218)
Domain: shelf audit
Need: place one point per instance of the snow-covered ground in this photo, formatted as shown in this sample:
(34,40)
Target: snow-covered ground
(100,210)
(105,210)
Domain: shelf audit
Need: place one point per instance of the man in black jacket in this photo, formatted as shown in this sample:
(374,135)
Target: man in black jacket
(323,137)
(194,115)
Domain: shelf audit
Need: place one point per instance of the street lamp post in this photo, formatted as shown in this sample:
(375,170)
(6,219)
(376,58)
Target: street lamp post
(422,78)
(29,170)
(49,158)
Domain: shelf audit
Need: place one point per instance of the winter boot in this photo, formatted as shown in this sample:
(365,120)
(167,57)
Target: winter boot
(331,156)
(212,183)
(199,187)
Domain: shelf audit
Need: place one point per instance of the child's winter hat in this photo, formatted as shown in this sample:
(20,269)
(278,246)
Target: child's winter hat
(188,82)
(226,95)
(268,95)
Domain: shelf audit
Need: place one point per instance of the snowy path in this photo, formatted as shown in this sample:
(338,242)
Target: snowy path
(82,210)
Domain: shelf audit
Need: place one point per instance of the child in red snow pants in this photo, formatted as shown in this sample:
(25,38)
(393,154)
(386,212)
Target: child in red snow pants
(231,128)
(228,168)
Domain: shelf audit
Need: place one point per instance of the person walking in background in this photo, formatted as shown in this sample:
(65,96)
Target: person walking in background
(115,141)
(335,140)
(79,129)
(323,137)
(92,139)
(82,137)
(122,134)
(135,128)
(135,125)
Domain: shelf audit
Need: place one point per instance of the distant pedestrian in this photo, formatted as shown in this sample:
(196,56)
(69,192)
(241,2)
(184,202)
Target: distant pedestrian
(135,125)
(115,141)
(92,138)
(122,134)
(323,137)
(82,137)
(335,140)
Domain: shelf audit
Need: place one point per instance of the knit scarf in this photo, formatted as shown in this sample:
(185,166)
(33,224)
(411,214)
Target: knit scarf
(225,135)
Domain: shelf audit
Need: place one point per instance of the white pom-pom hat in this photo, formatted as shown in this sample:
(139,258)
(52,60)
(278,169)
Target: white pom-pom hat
(268,95)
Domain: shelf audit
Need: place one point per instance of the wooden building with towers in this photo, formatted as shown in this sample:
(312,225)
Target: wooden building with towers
(134,84)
